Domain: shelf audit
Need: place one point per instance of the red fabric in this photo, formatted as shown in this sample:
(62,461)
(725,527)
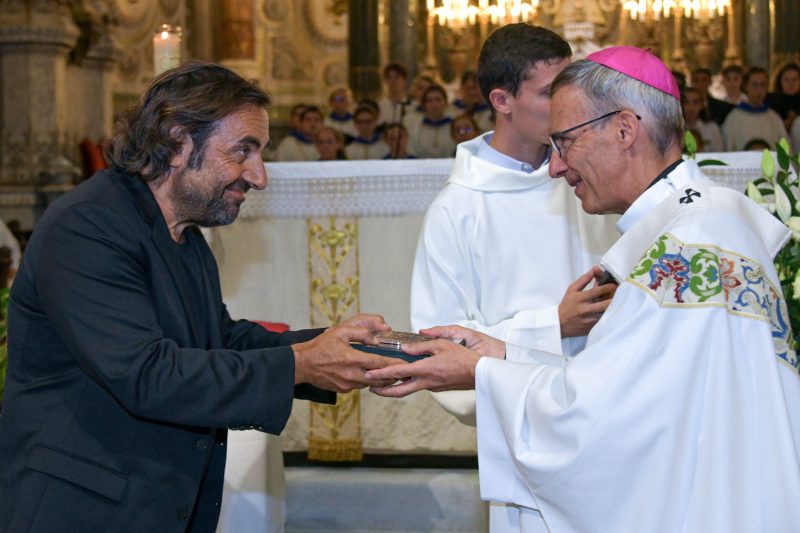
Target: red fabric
(92,157)
(277,327)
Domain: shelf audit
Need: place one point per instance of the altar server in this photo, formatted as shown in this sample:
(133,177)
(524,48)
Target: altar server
(340,117)
(503,242)
(753,120)
(431,136)
(470,102)
(299,145)
(681,413)
(368,143)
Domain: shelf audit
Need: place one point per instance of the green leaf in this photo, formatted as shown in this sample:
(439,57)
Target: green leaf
(789,194)
(690,144)
(767,165)
(710,162)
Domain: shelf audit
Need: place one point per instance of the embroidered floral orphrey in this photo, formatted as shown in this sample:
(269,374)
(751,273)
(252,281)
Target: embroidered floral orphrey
(677,274)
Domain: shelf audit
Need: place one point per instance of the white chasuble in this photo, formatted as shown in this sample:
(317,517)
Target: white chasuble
(681,414)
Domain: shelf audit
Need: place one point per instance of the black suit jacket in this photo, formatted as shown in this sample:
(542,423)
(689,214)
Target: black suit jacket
(121,378)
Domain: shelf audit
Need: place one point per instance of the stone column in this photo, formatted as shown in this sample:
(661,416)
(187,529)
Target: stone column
(402,35)
(35,39)
(98,69)
(785,37)
(236,46)
(201,29)
(757,33)
(363,53)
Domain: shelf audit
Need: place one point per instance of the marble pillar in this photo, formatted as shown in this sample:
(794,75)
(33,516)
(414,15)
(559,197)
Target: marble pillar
(785,38)
(757,33)
(201,29)
(35,40)
(89,74)
(403,35)
(236,37)
(363,49)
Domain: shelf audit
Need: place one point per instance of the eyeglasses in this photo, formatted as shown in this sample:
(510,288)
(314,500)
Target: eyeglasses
(465,130)
(558,139)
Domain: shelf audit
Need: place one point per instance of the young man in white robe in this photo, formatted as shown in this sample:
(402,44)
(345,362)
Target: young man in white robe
(503,243)
(681,414)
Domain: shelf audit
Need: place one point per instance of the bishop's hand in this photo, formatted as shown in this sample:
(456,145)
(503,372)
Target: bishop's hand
(581,308)
(450,367)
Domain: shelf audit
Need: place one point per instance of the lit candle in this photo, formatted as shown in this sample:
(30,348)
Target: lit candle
(166,48)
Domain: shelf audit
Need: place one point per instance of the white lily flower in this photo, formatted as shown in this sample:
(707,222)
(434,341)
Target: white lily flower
(794,226)
(768,165)
(754,194)
(785,145)
(782,205)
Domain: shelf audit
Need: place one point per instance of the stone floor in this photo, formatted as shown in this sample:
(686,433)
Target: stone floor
(392,500)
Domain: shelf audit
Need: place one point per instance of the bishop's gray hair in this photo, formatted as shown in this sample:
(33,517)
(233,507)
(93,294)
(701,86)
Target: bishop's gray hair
(608,90)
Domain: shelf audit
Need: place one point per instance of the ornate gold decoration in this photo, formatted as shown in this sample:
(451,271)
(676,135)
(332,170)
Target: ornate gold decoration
(335,74)
(326,21)
(236,23)
(287,63)
(276,10)
(334,430)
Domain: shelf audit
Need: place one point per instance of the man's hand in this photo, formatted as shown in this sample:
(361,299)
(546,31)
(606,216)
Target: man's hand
(474,340)
(328,361)
(580,309)
(450,367)
(374,323)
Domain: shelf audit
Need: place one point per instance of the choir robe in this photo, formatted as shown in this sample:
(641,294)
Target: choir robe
(744,124)
(295,147)
(342,124)
(481,114)
(374,148)
(681,414)
(432,139)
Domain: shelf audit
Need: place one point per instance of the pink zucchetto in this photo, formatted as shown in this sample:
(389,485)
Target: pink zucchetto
(640,65)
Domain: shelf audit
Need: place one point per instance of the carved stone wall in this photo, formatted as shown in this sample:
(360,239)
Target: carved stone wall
(137,22)
(302,49)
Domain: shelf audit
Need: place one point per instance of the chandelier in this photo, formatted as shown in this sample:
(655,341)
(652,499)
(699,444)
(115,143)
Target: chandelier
(704,9)
(459,13)
(649,9)
(657,9)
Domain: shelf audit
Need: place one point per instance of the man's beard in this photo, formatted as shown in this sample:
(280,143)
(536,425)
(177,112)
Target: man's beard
(203,207)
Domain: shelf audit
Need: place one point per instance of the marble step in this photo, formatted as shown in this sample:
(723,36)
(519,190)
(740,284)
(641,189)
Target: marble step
(391,500)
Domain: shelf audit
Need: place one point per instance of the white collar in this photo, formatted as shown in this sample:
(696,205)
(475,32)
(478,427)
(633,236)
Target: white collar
(683,174)
(488,153)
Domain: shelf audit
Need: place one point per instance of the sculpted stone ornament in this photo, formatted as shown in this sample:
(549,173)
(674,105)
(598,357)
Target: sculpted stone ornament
(276,10)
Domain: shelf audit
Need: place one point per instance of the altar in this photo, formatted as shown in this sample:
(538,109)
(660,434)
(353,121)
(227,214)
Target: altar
(270,262)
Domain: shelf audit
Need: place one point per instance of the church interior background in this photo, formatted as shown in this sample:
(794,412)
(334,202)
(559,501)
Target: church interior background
(67,67)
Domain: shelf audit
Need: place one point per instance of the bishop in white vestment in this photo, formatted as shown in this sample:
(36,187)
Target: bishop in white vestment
(681,414)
